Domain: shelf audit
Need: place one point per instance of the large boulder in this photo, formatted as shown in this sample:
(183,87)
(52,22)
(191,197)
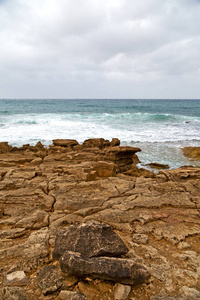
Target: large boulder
(125,271)
(89,240)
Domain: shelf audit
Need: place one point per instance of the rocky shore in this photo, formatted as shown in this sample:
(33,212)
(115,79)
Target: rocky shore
(83,222)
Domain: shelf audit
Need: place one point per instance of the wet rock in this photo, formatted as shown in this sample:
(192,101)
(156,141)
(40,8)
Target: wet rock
(121,291)
(125,271)
(17,278)
(13,293)
(90,240)
(50,279)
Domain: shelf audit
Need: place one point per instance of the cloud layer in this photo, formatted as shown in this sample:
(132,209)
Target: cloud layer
(99,49)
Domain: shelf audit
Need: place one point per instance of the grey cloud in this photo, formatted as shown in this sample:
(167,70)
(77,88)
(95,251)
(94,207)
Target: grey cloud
(124,47)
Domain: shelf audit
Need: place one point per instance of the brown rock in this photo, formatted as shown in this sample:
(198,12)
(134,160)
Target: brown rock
(90,240)
(17,278)
(121,291)
(115,142)
(92,143)
(69,295)
(39,145)
(36,220)
(121,156)
(89,289)
(65,142)
(13,293)
(50,279)
(4,147)
(105,169)
(108,268)
(158,166)
(192,152)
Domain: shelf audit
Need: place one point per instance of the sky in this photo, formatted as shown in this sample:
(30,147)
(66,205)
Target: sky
(100,49)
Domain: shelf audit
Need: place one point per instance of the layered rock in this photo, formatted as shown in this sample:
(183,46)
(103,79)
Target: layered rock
(43,191)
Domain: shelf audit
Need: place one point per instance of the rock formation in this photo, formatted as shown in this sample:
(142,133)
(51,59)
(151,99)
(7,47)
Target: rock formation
(72,216)
(192,152)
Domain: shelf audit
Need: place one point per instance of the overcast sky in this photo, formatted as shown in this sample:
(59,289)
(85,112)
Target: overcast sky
(100,49)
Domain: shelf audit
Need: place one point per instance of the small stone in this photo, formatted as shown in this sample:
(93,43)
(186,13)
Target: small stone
(189,293)
(13,293)
(121,291)
(50,279)
(105,286)
(68,295)
(17,278)
(183,245)
(69,281)
(140,238)
(89,289)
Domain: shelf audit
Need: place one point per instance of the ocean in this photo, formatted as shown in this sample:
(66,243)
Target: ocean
(159,127)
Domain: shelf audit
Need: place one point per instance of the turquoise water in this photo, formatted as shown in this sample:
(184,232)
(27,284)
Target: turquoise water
(159,127)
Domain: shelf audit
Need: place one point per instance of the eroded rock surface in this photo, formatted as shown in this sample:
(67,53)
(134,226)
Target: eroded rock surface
(43,191)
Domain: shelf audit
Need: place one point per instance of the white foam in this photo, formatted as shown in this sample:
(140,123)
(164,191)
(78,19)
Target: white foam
(141,129)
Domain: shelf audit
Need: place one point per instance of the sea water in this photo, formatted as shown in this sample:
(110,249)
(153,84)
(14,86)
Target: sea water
(159,127)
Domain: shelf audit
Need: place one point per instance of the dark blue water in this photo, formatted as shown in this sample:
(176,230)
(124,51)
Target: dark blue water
(177,107)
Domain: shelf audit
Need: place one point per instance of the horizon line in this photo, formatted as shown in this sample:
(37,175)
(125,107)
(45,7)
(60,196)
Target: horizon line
(190,99)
